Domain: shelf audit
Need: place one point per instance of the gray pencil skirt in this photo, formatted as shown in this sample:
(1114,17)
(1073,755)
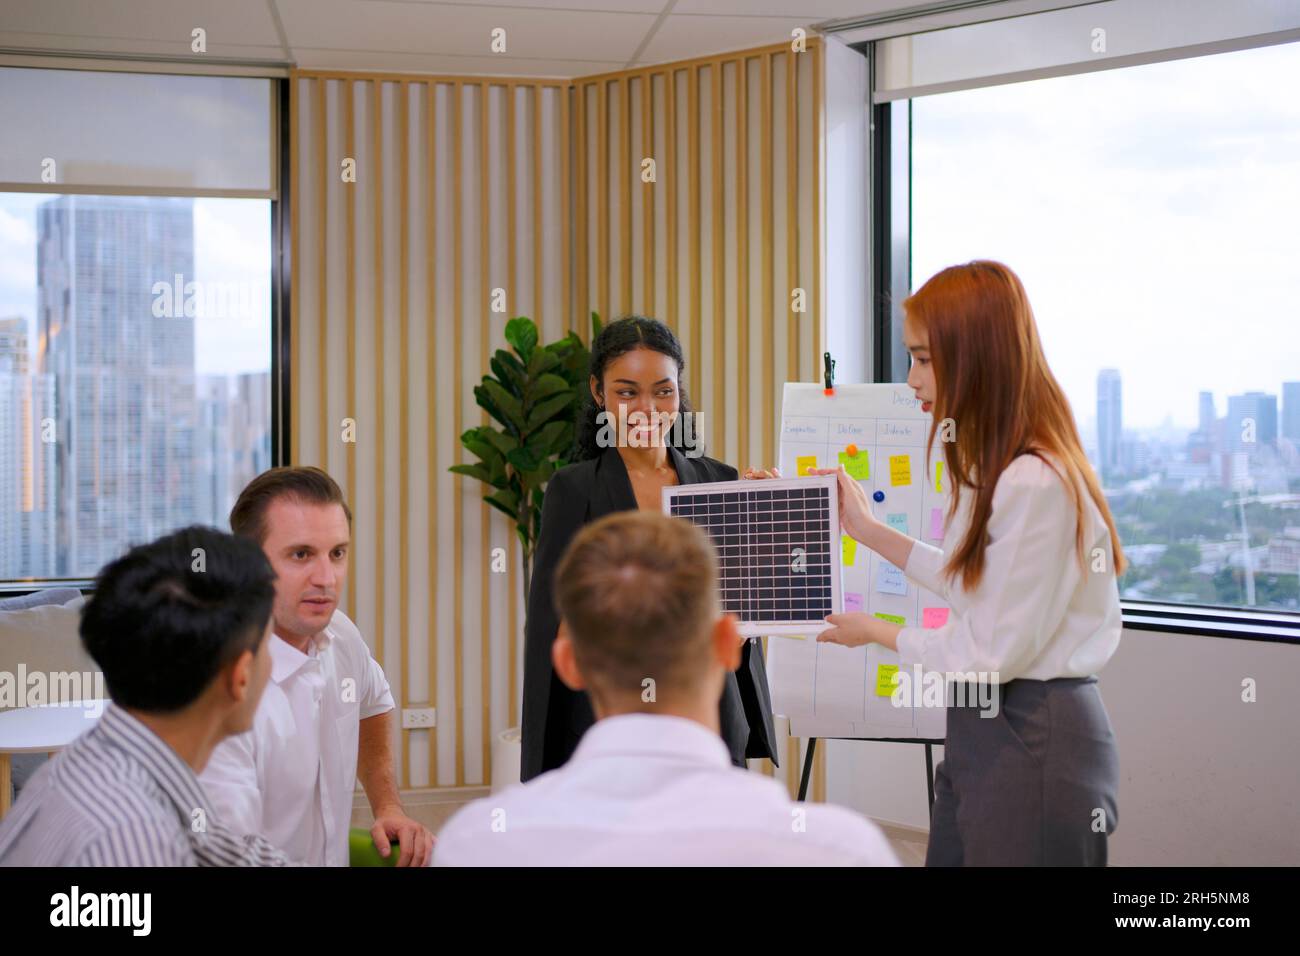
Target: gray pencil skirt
(1032,785)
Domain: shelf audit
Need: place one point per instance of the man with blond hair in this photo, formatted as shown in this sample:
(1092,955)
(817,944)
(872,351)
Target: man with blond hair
(651,783)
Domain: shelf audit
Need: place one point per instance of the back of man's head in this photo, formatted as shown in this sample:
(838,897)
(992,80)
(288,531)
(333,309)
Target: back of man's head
(167,616)
(637,592)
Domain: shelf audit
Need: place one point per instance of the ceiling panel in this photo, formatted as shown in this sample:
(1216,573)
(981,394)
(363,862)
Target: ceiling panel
(544,37)
(615,6)
(682,37)
(809,10)
(232,22)
(462,30)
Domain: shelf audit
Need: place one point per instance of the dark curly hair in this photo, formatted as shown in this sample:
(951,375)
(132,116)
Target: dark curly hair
(618,338)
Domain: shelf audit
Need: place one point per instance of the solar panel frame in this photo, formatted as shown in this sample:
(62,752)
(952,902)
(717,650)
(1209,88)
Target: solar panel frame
(753,520)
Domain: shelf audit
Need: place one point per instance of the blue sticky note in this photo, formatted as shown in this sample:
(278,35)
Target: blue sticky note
(890,580)
(898,520)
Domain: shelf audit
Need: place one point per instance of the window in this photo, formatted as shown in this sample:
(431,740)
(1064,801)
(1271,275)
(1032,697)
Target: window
(135,316)
(1151,213)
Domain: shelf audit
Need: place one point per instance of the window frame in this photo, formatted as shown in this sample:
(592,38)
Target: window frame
(281,300)
(890,172)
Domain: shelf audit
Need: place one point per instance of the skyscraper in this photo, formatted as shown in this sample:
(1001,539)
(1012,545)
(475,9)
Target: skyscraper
(1206,415)
(1203,443)
(234,440)
(1291,411)
(124,376)
(1110,421)
(1252,422)
(26,460)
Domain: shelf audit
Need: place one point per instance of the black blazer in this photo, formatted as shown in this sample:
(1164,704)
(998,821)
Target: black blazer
(555,717)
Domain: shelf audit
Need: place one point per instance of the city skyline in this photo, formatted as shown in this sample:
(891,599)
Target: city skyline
(111,433)
(1152,237)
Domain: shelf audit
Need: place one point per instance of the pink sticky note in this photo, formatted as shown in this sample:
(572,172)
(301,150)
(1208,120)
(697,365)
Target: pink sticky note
(936,524)
(934,616)
(853,602)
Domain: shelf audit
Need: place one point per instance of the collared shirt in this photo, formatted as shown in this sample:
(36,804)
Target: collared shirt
(1037,612)
(118,795)
(292,776)
(652,790)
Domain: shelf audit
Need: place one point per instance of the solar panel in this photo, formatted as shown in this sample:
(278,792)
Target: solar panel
(778,548)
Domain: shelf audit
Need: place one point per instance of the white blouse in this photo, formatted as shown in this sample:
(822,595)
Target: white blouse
(1037,612)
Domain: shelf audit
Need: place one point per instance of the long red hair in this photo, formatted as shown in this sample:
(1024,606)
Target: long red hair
(993,382)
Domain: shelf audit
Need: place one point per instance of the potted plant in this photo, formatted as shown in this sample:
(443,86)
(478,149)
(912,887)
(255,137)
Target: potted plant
(534,395)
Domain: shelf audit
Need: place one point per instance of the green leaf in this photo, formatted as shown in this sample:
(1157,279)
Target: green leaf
(523,460)
(545,386)
(501,441)
(491,408)
(511,377)
(542,412)
(510,361)
(485,451)
(521,333)
(549,439)
(512,412)
(542,361)
(501,506)
(472,471)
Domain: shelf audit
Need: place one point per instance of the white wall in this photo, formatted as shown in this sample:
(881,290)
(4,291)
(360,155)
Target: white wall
(1206,779)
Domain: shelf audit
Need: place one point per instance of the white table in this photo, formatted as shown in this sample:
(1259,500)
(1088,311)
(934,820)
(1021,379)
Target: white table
(44,729)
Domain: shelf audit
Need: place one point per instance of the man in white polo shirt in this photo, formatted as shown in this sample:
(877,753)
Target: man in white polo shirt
(651,783)
(325,718)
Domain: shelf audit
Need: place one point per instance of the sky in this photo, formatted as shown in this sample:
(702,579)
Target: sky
(1153,214)
(232,244)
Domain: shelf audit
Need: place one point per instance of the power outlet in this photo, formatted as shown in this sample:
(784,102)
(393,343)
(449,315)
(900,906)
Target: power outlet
(419,718)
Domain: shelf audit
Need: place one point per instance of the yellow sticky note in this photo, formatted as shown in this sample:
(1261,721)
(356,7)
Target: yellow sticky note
(938,477)
(804,464)
(900,470)
(848,549)
(855,465)
(886,678)
(892,618)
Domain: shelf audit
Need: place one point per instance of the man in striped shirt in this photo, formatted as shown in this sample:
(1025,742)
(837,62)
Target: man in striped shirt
(180,628)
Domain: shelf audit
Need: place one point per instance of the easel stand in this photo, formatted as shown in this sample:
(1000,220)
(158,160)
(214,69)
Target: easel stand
(929,761)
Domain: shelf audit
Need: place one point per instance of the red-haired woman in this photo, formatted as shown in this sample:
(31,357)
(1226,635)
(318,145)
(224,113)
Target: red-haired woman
(1028,562)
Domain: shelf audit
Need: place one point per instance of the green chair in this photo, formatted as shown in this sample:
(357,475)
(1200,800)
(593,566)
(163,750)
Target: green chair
(362,851)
